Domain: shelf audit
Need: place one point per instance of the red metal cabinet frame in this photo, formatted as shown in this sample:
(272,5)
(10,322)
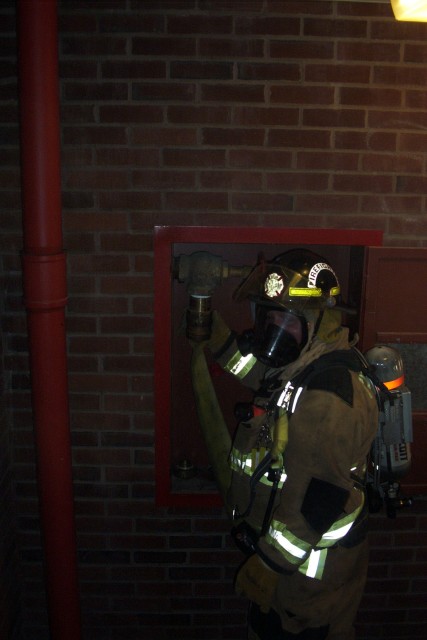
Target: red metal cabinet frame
(165,238)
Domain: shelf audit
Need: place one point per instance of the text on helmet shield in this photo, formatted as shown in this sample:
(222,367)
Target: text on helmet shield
(315,270)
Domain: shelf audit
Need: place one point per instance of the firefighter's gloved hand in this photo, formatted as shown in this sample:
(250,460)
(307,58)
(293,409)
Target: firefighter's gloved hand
(257,582)
(220,332)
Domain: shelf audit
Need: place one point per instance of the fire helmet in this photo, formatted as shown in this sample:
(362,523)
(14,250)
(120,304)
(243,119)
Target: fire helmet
(286,291)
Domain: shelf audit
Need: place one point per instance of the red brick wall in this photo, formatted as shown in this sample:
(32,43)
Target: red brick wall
(261,112)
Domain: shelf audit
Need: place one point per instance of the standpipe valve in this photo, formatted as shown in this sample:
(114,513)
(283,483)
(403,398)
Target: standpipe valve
(202,272)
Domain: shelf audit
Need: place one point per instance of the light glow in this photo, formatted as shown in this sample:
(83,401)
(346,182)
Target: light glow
(410,10)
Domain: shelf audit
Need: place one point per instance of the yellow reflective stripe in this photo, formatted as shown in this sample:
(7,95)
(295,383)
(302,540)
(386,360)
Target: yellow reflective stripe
(290,546)
(314,565)
(296,398)
(244,462)
(257,455)
(237,462)
(239,365)
(311,292)
(305,292)
(333,536)
(340,528)
(294,549)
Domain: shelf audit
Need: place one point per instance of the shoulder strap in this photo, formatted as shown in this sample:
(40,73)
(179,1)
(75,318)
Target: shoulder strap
(349,358)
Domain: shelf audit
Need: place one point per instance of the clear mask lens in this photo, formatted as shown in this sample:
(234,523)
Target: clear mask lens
(279,336)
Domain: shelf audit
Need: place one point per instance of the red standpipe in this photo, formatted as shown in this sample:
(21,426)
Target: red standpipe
(45,295)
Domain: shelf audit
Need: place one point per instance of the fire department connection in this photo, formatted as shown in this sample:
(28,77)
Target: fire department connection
(390,459)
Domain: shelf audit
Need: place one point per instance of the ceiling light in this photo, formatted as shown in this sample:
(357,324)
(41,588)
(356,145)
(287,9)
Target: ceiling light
(410,10)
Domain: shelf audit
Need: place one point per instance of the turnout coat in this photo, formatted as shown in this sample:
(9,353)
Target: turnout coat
(315,421)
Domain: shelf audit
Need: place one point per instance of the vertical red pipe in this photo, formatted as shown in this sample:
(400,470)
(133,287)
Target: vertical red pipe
(45,295)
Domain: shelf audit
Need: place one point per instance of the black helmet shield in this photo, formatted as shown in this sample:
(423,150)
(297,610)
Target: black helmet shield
(284,291)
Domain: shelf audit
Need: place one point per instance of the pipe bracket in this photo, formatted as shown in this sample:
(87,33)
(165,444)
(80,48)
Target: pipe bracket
(45,281)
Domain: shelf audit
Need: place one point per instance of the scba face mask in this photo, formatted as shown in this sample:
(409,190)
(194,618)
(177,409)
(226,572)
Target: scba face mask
(279,336)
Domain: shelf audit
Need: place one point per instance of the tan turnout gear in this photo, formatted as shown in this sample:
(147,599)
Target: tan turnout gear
(293,478)
(327,440)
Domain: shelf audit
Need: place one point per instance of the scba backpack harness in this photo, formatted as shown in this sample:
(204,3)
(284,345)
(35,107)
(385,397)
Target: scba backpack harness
(330,372)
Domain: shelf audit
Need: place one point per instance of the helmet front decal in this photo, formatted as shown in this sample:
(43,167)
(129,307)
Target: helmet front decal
(273,285)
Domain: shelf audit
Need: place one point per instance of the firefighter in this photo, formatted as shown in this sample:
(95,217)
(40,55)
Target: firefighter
(293,476)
